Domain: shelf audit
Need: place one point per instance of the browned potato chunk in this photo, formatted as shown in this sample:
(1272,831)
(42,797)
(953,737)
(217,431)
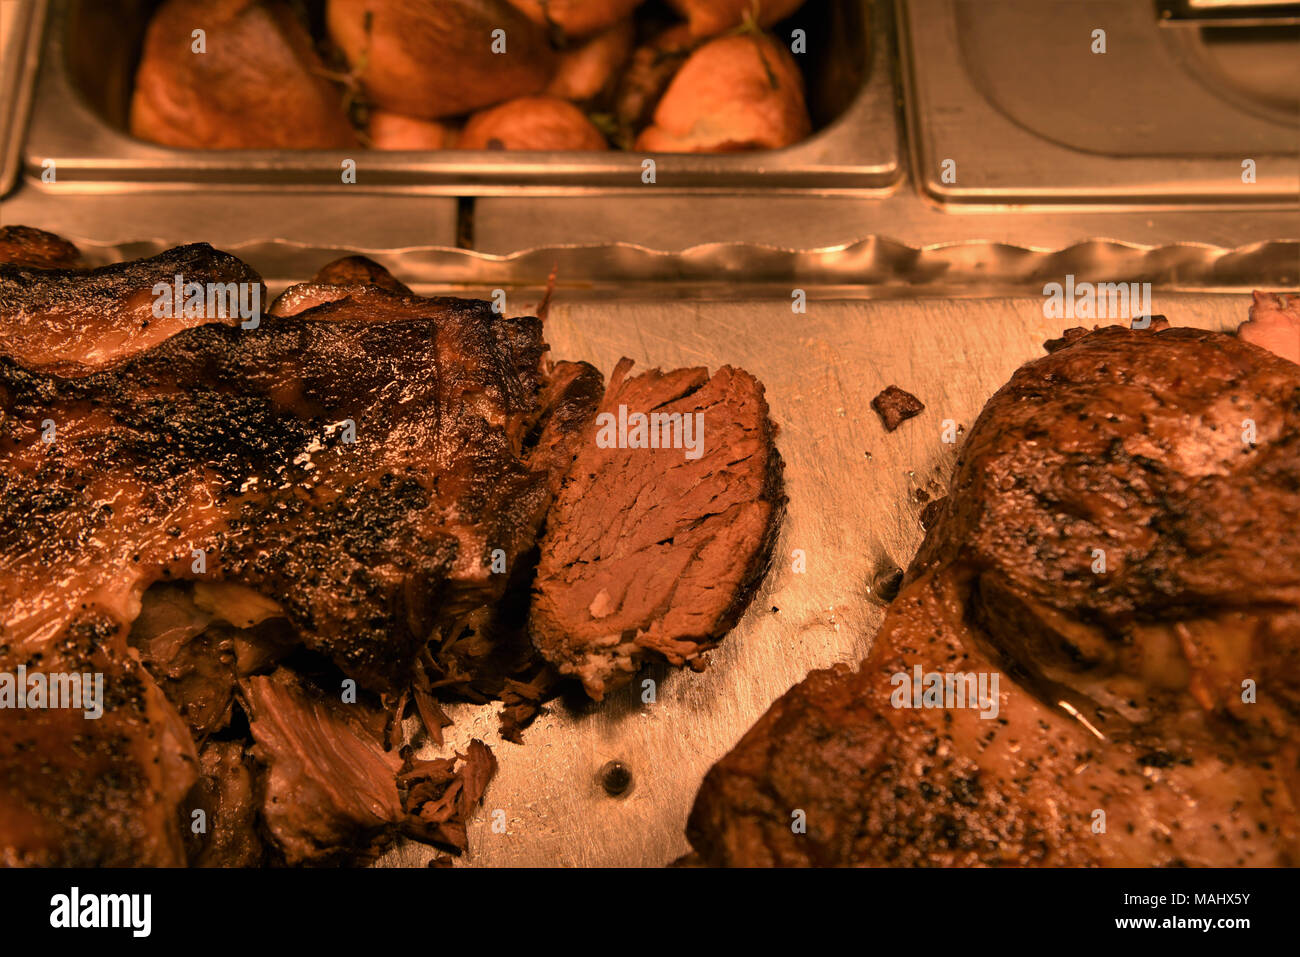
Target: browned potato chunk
(435,58)
(711,17)
(586,70)
(737,92)
(258,85)
(396,131)
(577,18)
(532,123)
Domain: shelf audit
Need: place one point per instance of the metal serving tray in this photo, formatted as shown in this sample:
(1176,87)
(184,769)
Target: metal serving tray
(855,491)
(85,88)
(1166,115)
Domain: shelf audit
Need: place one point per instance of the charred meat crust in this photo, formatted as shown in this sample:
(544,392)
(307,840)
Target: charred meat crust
(75,320)
(236,442)
(37,249)
(1121,690)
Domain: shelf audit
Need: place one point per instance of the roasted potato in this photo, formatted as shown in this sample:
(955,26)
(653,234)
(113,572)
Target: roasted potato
(532,123)
(737,92)
(258,85)
(435,58)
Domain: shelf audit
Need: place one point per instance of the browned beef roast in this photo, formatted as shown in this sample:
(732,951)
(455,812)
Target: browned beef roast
(655,550)
(83,791)
(73,320)
(1147,709)
(25,246)
(353,472)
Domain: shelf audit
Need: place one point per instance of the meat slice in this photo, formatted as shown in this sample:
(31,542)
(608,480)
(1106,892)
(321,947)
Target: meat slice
(655,550)
(1274,325)
(226,795)
(1121,551)
(257,84)
(25,246)
(357,469)
(80,789)
(72,319)
(330,785)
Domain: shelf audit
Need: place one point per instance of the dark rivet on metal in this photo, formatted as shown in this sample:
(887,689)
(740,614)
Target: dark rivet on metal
(615,778)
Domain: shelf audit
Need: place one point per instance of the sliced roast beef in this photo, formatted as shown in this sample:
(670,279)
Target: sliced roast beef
(72,320)
(663,525)
(1121,553)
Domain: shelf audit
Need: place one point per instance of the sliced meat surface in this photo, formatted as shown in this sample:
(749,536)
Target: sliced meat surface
(258,84)
(25,246)
(68,320)
(656,550)
(1123,555)
(357,469)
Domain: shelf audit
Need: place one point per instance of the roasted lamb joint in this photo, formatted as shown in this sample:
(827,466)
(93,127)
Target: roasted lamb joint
(258,84)
(69,319)
(532,123)
(576,18)
(710,17)
(735,93)
(436,58)
(656,543)
(1120,685)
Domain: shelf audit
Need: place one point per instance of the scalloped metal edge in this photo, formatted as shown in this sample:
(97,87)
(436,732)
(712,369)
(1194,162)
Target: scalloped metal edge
(874,263)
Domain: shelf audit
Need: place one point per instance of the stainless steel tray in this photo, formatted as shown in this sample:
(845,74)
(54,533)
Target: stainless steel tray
(20,33)
(853,508)
(1163,117)
(85,86)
